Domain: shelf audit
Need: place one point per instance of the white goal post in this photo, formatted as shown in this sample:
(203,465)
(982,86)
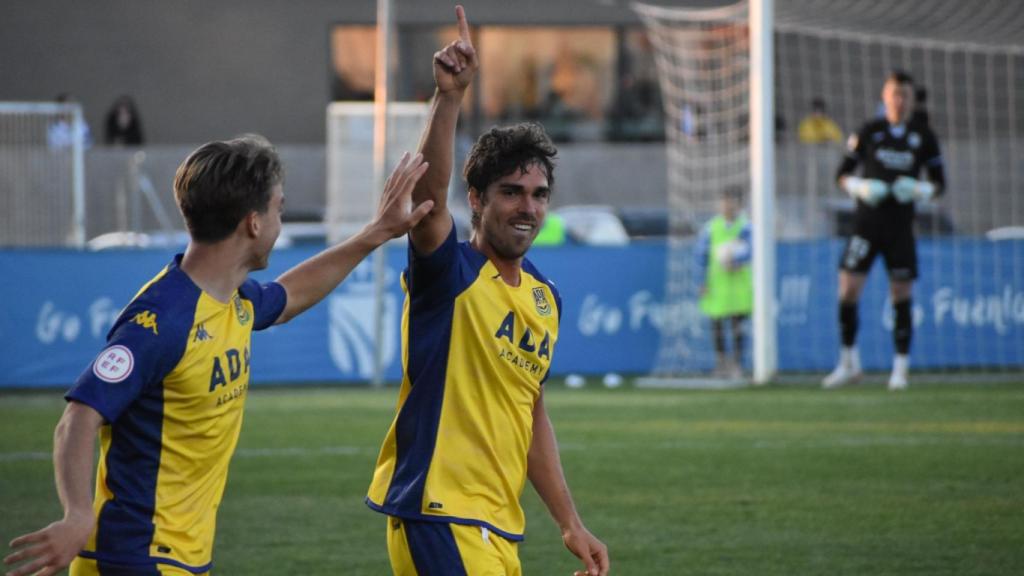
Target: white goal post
(42,174)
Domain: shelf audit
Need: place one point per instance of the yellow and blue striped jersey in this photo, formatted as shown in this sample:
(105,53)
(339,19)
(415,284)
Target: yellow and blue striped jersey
(170,385)
(475,352)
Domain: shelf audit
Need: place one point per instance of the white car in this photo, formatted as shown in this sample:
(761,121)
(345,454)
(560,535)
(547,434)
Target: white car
(594,225)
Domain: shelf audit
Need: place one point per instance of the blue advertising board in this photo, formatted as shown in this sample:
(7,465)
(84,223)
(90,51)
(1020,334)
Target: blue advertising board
(968,310)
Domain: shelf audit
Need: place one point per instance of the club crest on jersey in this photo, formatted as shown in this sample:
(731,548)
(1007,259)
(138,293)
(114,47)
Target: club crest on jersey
(240,311)
(147,320)
(914,140)
(540,299)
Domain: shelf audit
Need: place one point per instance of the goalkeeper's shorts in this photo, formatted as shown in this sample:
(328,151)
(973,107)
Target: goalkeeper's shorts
(442,549)
(896,244)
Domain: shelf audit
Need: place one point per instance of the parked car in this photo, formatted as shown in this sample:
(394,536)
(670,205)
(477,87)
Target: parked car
(292,234)
(594,225)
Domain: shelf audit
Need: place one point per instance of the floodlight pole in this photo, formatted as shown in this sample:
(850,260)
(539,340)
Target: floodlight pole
(382,85)
(762,187)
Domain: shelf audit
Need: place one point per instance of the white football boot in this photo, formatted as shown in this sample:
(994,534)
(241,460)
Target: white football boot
(847,371)
(900,369)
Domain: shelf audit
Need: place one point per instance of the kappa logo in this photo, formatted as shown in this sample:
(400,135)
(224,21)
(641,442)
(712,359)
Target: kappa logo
(201,334)
(914,140)
(241,311)
(540,299)
(147,320)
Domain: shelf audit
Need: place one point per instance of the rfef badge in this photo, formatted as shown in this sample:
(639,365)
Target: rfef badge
(541,301)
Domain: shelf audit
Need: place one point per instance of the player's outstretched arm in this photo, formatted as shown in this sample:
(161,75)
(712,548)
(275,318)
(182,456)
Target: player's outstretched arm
(312,280)
(454,68)
(544,467)
(52,549)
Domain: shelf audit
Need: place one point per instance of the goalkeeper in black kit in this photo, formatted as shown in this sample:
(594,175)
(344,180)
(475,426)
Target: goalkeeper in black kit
(892,152)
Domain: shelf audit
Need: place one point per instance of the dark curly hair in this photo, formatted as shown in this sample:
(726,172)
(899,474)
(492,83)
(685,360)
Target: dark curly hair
(503,150)
(221,182)
(900,77)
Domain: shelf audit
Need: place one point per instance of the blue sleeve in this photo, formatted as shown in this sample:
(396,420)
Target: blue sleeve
(433,277)
(702,255)
(558,306)
(268,301)
(558,300)
(746,252)
(141,350)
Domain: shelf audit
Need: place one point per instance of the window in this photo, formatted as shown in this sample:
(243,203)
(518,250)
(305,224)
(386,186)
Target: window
(583,84)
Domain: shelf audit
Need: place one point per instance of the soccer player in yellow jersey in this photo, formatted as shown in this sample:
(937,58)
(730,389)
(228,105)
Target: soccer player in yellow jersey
(166,394)
(479,328)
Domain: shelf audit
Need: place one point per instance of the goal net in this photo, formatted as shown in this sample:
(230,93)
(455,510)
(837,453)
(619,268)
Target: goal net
(967,57)
(42,174)
(351,199)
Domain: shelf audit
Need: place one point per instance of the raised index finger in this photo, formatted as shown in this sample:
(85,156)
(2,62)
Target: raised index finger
(460,13)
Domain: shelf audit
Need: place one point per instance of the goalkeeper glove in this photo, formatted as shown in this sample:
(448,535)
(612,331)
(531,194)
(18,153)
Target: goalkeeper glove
(867,190)
(907,189)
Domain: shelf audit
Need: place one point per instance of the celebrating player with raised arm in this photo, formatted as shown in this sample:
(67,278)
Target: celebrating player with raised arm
(479,329)
(892,152)
(166,394)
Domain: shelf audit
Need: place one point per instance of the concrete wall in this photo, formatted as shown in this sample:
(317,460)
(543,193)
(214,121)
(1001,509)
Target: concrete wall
(203,70)
(979,196)
(619,175)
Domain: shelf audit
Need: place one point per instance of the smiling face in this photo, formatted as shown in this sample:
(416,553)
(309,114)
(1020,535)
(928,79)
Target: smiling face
(510,212)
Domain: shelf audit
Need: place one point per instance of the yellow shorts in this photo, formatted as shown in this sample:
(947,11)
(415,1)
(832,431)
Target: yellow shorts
(88,567)
(442,549)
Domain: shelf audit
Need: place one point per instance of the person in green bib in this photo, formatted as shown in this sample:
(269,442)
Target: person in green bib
(552,232)
(723,275)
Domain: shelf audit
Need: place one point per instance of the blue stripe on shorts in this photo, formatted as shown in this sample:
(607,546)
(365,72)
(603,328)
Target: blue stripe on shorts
(433,549)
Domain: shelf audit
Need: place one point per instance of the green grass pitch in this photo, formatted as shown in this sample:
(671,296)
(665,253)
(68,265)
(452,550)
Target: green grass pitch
(777,480)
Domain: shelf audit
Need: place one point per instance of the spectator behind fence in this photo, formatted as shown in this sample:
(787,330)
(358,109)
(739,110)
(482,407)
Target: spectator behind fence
(817,127)
(123,126)
(61,133)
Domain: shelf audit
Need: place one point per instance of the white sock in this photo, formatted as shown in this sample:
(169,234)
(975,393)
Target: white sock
(849,358)
(901,363)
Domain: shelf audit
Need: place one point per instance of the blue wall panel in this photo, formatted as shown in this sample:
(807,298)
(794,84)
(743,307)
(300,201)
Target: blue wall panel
(969,312)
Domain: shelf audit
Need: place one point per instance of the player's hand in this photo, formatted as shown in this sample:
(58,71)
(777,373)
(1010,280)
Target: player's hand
(456,64)
(395,214)
(51,549)
(589,549)
(867,190)
(907,189)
